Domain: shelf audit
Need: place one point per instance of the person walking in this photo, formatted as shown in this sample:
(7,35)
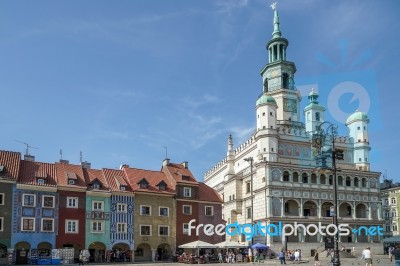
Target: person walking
(81,258)
(396,255)
(366,254)
(297,256)
(316,259)
(282,257)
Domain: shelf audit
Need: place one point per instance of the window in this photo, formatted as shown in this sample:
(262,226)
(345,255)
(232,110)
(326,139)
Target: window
(121,228)
(394,227)
(40,181)
(164,211)
(71,226)
(163,230)
(358,128)
(97,205)
(97,227)
(286,176)
(72,202)
(121,207)
(48,201)
(386,202)
(209,210)
(185,229)
(185,177)
(145,210)
(393,200)
(1,198)
(394,213)
(187,209)
(317,116)
(187,192)
(248,187)
(122,188)
(1,224)
(96,186)
(71,182)
(29,200)
(387,227)
(47,225)
(248,213)
(28,224)
(145,230)
(304,176)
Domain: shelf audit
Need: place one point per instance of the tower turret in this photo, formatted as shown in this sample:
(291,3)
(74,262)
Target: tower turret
(357,124)
(313,112)
(278,75)
(230,158)
(266,134)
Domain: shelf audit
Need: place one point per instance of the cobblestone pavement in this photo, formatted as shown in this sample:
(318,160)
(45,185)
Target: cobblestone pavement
(378,260)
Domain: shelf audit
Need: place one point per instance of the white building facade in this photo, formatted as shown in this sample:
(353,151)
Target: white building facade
(274,177)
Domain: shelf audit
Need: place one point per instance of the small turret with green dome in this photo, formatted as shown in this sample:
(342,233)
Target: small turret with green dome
(357,116)
(265,99)
(313,112)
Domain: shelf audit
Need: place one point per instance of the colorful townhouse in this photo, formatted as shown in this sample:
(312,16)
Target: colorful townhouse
(72,207)
(98,213)
(155,214)
(9,170)
(194,201)
(121,243)
(35,211)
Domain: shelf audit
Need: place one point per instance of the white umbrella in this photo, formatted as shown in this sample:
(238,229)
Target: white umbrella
(197,244)
(230,244)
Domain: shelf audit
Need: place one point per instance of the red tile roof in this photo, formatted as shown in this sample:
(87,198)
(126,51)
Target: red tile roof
(115,178)
(176,173)
(11,162)
(207,193)
(93,174)
(134,175)
(30,171)
(66,171)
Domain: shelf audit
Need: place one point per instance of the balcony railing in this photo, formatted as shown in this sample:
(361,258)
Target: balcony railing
(95,215)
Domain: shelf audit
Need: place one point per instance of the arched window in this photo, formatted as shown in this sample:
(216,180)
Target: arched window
(348,181)
(356,184)
(313,178)
(295,177)
(340,180)
(322,179)
(317,116)
(363,182)
(304,178)
(286,176)
(285,79)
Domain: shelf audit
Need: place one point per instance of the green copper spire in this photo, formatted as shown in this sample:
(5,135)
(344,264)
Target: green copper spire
(276,33)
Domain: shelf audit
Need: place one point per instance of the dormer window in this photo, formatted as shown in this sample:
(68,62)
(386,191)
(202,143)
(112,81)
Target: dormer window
(143,184)
(72,178)
(40,178)
(96,186)
(185,177)
(162,185)
(121,183)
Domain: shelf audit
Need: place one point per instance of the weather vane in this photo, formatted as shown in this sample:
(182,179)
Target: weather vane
(273,6)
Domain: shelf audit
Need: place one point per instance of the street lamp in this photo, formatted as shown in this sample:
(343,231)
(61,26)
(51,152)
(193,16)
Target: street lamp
(250,159)
(318,141)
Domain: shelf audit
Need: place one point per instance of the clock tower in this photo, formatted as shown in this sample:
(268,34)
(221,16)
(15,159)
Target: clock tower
(278,76)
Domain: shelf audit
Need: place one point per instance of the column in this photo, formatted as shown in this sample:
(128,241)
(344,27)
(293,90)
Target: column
(282,207)
(284,52)
(269,55)
(153,254)
(301,208)
(279,51)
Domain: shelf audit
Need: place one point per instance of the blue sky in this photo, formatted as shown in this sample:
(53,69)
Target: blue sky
(119,80)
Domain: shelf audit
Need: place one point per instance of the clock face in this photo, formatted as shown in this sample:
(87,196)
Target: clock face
(274,73)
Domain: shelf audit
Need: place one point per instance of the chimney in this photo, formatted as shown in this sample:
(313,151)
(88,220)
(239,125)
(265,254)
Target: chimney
(165,162)
(185,164)
(85,165)
(123,166)
(29,158)
(64,161)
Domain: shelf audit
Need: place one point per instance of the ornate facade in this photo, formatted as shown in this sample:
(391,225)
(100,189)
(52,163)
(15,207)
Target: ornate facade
(274,176)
